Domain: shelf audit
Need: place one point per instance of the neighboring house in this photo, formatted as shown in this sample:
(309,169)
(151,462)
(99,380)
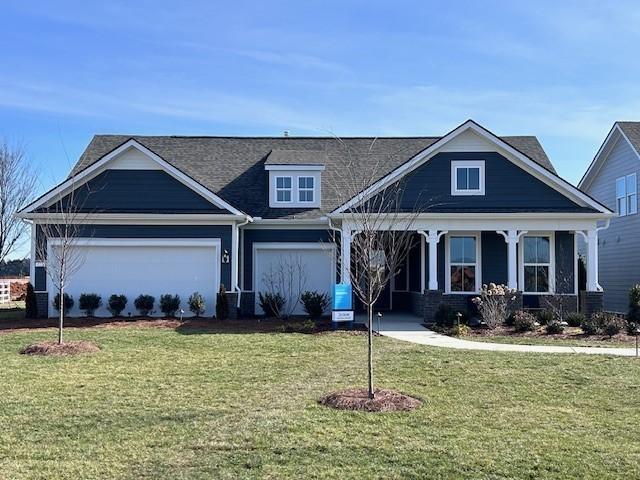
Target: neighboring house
(612,179)
(183,214)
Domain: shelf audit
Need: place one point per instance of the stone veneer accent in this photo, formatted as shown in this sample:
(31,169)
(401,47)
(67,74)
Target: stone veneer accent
(42,302)
(232,299)
(247,304)
(591,302)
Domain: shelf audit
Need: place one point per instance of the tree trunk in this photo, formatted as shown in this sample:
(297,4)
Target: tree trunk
(61,317)
(370,350)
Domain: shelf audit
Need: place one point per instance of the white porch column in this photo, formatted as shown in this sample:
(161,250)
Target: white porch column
(345,256)
(433,259)
(512,258)
(592,261)
(422,263)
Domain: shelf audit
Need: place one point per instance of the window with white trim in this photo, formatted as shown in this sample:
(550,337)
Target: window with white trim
(305,189)
(626,195)
(283,189)
(467,177)
(537,264)
(463,263)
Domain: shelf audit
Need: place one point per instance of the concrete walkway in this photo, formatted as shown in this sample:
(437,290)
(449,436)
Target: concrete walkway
(410,329)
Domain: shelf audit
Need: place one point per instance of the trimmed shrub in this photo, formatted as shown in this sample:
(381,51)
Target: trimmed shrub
(575,319)
(603,323)
(117,303)
(196,304)
(315,303)
(613,325)
(554,327)
(591,326)
(222,304)
(634,304)
(510,319)
(544,317)
(68,302)
(30,303)
(524,321)
(460,330)
(144,304)
(169,304)
(271,304)
(89,303)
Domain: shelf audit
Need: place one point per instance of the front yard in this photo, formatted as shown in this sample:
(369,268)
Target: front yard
(188,403)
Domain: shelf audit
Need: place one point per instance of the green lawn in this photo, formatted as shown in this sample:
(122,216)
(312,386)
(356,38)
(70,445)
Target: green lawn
(12,311)
(551,340)
(158,403)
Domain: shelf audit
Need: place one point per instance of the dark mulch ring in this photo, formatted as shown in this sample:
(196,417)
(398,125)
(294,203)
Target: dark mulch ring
(60,349)
(383,401)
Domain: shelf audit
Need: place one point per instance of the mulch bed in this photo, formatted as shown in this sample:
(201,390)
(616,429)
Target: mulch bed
(383,401)
(46,348)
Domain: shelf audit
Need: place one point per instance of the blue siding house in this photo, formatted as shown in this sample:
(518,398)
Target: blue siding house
(172,214)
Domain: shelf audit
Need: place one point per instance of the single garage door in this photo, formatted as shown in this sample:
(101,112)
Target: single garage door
(292,268)
(144,266)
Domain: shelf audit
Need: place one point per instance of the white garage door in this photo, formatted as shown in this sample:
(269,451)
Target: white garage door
(144,266)
(292,268)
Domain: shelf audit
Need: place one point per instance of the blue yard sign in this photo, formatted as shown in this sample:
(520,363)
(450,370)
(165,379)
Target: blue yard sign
(342,297)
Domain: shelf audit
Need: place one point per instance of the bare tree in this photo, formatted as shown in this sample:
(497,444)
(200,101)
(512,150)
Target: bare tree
(289,279)
(57,242)
(382,223)
(17,188)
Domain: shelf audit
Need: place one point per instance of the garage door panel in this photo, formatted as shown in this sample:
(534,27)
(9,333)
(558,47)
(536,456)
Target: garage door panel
(145,269)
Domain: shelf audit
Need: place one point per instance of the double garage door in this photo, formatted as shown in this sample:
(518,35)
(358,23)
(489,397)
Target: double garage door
(290,268)
(144,266)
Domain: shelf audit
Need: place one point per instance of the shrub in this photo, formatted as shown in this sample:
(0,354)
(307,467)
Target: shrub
(524,321)
(603,323)
(196,304)
(613,325)
(575,319)
(117,303)
(632,328)
(634,304)
(68,302)
(271,304)
(445,316)
(144,304)
(307,326)
(510,319)
(315,303)
(555,327)
(591,326)
(222,304)
(544,317)
(460,330)
(30,303)
(89,303)
(169,304)
(493,303)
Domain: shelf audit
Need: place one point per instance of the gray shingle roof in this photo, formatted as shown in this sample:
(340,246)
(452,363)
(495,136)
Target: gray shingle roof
(296,157)
(233,167)
(632,131)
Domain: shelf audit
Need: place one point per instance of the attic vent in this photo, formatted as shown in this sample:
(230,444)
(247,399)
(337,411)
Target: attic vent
(286,133)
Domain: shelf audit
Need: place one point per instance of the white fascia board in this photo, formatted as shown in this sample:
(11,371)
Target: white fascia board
(99,166)
(295,167)
(139,242)
(144,218)
(526,163)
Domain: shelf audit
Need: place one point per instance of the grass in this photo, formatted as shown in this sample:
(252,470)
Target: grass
(161,403)
(12,311)
(551,340)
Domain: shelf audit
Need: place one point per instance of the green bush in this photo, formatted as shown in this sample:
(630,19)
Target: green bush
(554,327)
(89,303)
(169,304)
(144,304)
(30,303)
(222,304)
(603,323)
(117,303)
(446,316)
(544,317)
(460,330)
(524,321)
(575,319)
(591,326)
(271,304)
(613,325)
(634,304)
(510,319)
(315,303)
(68,302)
(196,304)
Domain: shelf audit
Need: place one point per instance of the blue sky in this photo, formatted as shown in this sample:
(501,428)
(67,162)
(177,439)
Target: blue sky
(560,70)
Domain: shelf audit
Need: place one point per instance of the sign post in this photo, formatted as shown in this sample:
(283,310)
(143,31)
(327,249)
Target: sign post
(342,305)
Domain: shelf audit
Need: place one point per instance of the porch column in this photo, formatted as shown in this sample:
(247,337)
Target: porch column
(432,238)
(423,258)
(592,261)
(512,258)
(345,256)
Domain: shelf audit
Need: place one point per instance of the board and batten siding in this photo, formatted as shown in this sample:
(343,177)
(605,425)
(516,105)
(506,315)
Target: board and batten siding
(619,245)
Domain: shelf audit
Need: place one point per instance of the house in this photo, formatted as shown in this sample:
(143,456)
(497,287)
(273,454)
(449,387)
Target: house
(612,179)
(182,214)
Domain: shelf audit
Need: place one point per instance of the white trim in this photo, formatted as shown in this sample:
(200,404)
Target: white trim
(455,165)
(32,260)
(141,242)
(303,168)
(145,218)
(626,195)
(99,166)
(277,189)
(576,287)
(306,189)
(525,162)
(552,262)
(447,261)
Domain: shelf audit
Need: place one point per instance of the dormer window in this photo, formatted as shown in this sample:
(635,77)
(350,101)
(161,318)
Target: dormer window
(294,178)
(467,177)
(283,189)
(306,189)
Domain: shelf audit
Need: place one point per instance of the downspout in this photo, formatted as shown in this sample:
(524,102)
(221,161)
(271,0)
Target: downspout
(237,258)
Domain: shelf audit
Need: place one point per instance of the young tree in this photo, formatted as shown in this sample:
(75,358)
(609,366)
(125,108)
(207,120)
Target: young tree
(17,188)
(382,226)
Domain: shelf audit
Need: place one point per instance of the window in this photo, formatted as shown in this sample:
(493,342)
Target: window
(283,189)
(537,264)
(626,195)
(467,178)
(305,189)
(462,264)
